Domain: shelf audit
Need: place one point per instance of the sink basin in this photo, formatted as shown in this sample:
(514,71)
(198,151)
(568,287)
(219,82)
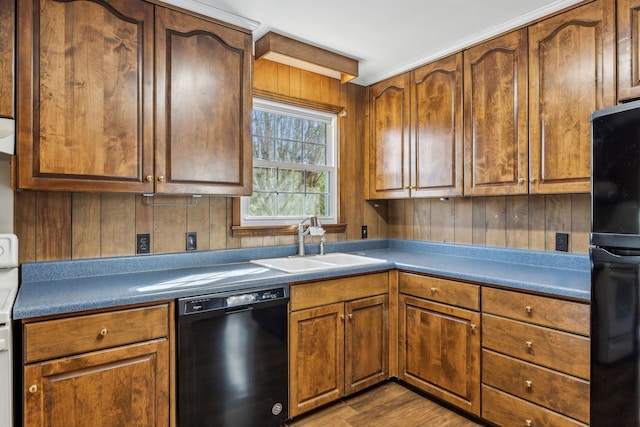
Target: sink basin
(298,264)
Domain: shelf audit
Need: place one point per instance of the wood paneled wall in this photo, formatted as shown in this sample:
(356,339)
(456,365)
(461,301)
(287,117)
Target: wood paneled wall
(523,222)
(62,226)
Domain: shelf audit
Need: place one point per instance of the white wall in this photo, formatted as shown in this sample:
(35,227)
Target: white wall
(6,197)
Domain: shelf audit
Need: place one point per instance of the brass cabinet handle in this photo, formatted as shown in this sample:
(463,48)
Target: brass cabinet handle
(33,388)
(148,178)
(528,383)
(342,316)
(350,315)
(528,308)
(528,423)
(528,344)
(104,332)
(473,327)
(161,178)
(433,290)
(532,180)
(521,180)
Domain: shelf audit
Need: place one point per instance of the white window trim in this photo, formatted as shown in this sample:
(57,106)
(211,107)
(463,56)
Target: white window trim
(332,159)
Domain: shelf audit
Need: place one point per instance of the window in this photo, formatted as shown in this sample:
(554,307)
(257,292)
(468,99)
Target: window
(294,165)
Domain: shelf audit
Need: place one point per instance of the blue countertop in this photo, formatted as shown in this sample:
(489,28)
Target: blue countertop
(57,287)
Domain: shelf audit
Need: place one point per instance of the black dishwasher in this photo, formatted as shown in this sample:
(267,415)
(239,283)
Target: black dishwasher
(232,359)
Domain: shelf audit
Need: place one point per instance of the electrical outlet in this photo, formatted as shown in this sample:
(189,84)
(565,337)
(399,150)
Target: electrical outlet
(562,242)
(365,233)
(143,243)
(191,241)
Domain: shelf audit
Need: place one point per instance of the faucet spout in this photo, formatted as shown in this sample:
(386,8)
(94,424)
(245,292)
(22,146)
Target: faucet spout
(314,228)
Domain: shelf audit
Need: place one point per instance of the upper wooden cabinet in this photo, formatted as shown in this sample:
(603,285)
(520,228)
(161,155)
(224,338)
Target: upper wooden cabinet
(571,74)
(496,144)
(389,147)
(7,48)
(86,120)
(416,133)
(628,49)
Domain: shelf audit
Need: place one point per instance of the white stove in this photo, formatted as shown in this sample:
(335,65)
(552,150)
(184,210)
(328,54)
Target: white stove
(8,292)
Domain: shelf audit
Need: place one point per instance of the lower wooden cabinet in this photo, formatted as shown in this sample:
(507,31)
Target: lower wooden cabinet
(439,340)
(535,360)
(99,369)
(338,348)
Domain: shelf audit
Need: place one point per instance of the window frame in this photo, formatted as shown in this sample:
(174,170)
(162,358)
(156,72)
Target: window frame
(240,231)
(331,116)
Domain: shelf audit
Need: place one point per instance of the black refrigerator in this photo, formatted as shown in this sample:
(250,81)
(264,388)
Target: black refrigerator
(615,266)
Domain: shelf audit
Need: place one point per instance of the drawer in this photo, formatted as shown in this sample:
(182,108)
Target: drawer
(316,294)
(79,334)
(460,294)
(553,390)
(557,350)
(508,411)
(544,311)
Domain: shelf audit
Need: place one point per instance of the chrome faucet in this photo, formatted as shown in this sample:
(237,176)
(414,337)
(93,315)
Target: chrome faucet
(314,228)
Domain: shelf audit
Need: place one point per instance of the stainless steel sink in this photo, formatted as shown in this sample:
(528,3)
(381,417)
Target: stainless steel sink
(297,264)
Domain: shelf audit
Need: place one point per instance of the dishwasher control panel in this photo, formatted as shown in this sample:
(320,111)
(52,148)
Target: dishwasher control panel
(205,303)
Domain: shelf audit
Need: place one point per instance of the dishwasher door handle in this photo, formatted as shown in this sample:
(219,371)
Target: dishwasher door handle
(239,309)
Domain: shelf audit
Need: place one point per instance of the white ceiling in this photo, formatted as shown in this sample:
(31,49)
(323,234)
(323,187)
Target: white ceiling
(386,37)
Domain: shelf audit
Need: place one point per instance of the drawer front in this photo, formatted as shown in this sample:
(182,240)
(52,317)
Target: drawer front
(508,411)
(553,390)
(61,337)
(557,350)
(460,294)
(316,294)
(544,311)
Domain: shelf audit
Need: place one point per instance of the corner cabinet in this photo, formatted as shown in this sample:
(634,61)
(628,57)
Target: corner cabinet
(338,339)
(100,369)
(572,60)
(97,115)
(496,142)
(416,133)
(439,338)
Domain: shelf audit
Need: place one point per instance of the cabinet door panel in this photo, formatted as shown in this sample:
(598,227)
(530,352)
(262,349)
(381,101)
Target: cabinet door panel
(7,43)
(571,74)
(389,157)
(86,116)
(122,386)
(203,106)
(496,134)
(367,343)
(436,159)
(440,351)
(628,49)
(316,357)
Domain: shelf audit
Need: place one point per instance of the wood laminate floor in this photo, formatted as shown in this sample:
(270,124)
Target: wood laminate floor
(388,405)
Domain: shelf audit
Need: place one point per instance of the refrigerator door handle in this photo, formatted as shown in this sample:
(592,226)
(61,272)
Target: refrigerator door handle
(607,255)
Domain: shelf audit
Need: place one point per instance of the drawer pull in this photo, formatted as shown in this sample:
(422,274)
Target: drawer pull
(528,309)
(33,388)
(104,332)
(528,423)
(433,290)
(473,327)
(528,344)
(528,383)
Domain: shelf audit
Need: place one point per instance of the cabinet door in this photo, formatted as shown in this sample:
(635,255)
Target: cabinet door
(203,106)
(389,150)
(436,128)
(316,357)
(367,343)
(123,386)
(7,43)
(571,74)
(628,49)
(496,128)
(86,82)
(440,351)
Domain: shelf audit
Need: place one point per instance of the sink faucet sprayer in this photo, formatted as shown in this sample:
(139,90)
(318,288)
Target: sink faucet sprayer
(315,229)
